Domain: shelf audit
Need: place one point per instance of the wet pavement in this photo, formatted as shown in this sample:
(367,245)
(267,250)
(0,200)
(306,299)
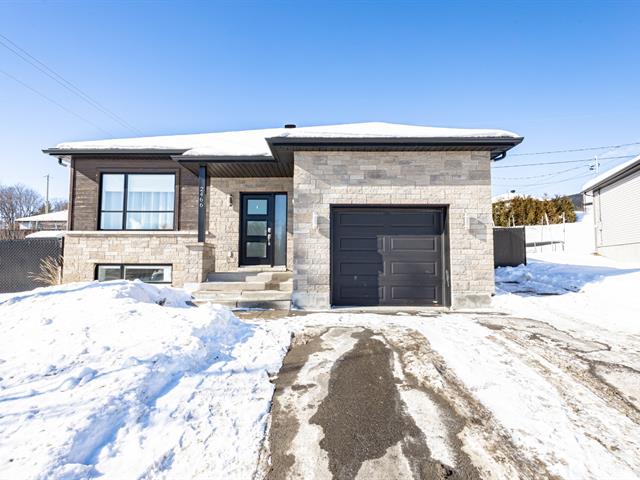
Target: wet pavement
(338,413)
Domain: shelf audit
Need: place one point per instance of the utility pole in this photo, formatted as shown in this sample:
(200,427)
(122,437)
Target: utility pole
(46,202)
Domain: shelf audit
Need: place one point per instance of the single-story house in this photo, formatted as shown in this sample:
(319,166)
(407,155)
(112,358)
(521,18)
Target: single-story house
(45,221)
(357,215)
(615,200)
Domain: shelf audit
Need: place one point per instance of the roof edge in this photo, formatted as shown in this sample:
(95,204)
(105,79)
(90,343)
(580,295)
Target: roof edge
(614,177)
(105,151)
(377,141)
(223,158)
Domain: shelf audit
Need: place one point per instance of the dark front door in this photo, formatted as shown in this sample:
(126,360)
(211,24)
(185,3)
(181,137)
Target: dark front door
(256,245)
(388,256)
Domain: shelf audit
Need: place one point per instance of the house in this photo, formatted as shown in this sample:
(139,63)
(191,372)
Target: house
(357,214)
(614,198)
(45,221)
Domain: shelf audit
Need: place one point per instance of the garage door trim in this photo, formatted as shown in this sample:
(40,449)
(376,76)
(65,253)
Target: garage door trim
(443,244)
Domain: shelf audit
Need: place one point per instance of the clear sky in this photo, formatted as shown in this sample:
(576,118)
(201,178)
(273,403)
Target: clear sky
(563,74)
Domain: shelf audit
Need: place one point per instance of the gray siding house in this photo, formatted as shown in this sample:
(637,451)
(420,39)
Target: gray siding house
(615,198)
(339,215)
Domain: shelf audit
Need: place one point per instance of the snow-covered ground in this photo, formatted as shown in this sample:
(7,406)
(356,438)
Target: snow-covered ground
(578,291)
(126,380)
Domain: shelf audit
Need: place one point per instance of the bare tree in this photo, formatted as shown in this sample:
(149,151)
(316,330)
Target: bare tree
(55,205)
(17,201)
(59,204)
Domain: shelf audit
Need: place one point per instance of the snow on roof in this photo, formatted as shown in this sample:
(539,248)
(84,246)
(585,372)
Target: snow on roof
(47,234)
(253,142)
(610,173)
(59,216)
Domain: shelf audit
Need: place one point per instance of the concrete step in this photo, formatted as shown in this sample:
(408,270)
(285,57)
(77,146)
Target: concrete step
(228,276)
(267,305)
(271,276)
(266,295)
(286,286)
(244,295)
(232,286)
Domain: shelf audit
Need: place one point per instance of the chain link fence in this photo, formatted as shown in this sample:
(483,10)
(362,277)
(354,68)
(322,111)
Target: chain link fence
(21,261)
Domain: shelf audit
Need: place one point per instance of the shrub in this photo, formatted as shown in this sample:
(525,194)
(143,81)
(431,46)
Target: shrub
(532,211)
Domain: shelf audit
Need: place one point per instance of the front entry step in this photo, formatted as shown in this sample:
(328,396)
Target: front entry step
(247,289)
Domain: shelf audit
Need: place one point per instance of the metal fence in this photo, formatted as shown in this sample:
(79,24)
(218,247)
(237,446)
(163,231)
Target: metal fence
(21,260)
(509,246)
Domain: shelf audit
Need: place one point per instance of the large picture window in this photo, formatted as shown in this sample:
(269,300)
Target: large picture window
(137,201)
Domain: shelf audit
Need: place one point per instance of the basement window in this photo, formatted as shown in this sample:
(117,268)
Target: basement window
(145,273)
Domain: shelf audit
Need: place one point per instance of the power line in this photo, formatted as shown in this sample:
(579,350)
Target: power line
(575,149)
(555,182)
(600,160)
(540,176)
(37,92)
(48,71)
(562,161)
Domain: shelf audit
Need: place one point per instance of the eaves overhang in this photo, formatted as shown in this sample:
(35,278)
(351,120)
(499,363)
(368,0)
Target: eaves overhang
(498,146)
(114,151)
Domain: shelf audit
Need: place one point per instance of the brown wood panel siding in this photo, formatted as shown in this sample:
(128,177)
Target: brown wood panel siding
(86,187)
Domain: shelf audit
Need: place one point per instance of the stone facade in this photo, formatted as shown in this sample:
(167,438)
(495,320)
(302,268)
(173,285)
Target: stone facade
(458,180)
(224,216)
(84,250)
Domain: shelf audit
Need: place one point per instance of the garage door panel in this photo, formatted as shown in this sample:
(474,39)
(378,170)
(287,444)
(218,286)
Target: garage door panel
(397,262)
(425,220)
(357,292)
(371,244)
(414,268)
(412,293)
(412,243)
(361,219)
(360,268)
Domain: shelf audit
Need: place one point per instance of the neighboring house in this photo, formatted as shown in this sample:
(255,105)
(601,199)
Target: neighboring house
(614,198)
(361,214)
(46,221)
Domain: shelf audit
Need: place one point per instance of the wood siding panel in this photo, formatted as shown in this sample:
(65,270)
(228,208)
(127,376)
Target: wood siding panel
(86,188)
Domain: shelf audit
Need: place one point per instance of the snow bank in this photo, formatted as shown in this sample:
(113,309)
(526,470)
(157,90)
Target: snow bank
(106,379)
(571,290)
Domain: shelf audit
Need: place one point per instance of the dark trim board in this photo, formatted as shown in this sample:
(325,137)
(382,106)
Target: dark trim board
(389,255)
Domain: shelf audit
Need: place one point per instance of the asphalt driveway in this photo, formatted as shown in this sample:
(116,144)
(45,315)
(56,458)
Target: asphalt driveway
(370,402)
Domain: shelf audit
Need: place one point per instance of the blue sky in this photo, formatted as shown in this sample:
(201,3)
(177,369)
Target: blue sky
(563,74)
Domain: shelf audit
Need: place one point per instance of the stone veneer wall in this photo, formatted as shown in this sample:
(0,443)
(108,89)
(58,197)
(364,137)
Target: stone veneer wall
(224,219)
(460,180)
(83,250)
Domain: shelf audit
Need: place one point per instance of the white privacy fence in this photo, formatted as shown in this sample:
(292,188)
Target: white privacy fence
(575,237)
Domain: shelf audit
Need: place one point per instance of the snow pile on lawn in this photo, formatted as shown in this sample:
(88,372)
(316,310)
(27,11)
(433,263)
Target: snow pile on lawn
(577,288)
(126,380)
(541,277)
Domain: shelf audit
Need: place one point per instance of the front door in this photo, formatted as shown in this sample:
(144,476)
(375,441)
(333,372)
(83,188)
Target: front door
(256,235)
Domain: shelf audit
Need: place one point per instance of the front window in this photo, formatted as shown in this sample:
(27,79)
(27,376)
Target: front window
(137,201)
(146,273)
